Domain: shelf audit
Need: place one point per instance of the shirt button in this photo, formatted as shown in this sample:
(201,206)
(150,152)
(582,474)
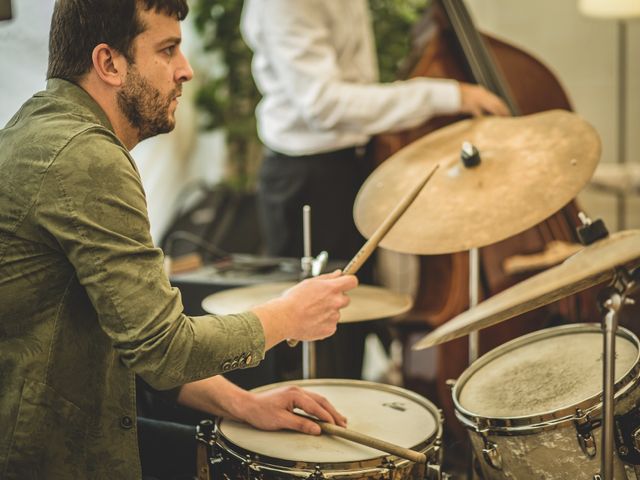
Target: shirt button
(126,422)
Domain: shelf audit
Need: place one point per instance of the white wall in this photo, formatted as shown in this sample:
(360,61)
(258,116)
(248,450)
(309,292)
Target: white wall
(583,52)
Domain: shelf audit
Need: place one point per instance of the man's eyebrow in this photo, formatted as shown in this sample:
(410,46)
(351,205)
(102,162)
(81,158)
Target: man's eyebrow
(170,41)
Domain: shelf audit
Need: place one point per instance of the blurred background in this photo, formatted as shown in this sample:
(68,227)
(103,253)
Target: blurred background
(215,141)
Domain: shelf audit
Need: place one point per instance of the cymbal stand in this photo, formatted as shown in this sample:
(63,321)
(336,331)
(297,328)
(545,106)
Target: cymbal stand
(617,295)
(306,263)
(474,294)
(470,158)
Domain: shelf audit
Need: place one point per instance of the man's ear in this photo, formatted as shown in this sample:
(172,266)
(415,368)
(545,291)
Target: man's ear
(109,64)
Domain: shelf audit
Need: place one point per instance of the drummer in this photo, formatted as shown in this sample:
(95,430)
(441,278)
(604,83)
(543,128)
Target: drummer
(85,305)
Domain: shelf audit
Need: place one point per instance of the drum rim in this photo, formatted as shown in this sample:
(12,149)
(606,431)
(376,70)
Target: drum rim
(429,446)
(517,425)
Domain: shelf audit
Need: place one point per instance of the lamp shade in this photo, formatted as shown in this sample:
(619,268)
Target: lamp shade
(610,8)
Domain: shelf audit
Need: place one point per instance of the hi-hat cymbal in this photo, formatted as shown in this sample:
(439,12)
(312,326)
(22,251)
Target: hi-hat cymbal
(367,302)
(530,167)
(590,266)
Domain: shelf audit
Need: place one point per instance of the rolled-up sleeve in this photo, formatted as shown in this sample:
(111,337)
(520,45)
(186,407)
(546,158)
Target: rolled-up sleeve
(93,205)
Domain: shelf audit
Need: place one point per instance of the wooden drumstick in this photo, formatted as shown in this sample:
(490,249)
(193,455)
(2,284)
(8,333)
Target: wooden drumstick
(370,245)
(367,441)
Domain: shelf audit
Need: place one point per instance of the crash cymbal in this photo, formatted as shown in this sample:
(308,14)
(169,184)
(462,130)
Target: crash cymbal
(367,302)
(590,266)
(530,167)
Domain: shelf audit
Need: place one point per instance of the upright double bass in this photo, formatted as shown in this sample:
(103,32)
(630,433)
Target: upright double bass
(447,45)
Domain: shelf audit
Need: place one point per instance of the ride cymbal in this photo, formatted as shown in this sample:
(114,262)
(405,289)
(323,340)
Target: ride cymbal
(592,265)
(530,167)
(367,302)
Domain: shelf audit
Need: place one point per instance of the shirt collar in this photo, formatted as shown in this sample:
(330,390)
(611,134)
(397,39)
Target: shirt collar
(78,96)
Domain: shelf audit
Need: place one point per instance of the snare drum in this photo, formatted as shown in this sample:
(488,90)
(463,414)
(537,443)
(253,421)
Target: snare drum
(382,411)
(532,406)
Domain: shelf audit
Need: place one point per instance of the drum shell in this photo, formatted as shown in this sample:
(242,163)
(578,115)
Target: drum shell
(546,446)
(234,462)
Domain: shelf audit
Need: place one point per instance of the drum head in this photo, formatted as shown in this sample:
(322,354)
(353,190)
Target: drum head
(382,411)
(543,372)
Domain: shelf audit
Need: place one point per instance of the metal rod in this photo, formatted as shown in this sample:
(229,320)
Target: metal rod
(308,360)
(610,327)
(474,294)
(305,262)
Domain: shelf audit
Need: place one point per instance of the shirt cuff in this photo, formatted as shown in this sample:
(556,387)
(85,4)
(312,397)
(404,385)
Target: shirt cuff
(444,95)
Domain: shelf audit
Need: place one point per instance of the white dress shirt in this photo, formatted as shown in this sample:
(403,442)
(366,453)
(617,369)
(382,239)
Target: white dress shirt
(315,65)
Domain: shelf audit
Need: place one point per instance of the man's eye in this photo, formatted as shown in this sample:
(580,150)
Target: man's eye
(169,50)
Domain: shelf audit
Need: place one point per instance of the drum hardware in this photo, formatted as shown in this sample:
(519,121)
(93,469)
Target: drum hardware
(627,437)
(307,267)
(584,433)
(591,231)
(319,263)
(491,454)
(623,284)
(205,437)
(317,473)
(305,261)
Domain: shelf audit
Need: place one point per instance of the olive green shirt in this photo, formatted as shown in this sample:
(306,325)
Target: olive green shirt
(84,302)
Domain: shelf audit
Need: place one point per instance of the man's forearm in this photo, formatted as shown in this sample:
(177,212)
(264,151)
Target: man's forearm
(214,395)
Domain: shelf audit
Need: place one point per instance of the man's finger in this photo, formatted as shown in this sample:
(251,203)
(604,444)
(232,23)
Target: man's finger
(301,424)
(338,418)
(309,404)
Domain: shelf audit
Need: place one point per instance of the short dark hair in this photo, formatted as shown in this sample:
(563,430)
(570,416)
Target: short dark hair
(77,26)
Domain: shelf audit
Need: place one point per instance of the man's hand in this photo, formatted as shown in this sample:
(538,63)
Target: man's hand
(477,101)
(269,410)
(273,410)
(308,311)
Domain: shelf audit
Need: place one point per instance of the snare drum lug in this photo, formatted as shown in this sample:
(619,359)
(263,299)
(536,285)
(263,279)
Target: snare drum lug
(388,464)
(636,439)
(492,455)
(587,444)
(584,427)
(317,474)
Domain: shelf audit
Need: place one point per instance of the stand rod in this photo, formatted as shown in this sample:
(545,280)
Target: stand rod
(474,294)
(624,283)
(610,326)
(308,360)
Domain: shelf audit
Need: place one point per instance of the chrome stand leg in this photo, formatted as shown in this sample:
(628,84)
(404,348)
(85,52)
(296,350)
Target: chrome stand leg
(621,287)
(610,327)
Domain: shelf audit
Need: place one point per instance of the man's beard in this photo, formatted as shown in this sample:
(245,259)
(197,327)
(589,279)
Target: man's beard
(144,107)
